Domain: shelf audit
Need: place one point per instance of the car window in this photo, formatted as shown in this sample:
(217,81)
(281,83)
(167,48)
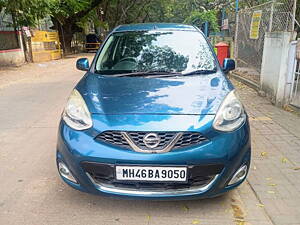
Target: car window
(171,51)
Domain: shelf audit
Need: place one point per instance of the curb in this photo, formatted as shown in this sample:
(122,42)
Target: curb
(288,107)
(246,81)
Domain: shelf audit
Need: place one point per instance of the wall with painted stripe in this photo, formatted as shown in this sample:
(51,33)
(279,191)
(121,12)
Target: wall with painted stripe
(11,49)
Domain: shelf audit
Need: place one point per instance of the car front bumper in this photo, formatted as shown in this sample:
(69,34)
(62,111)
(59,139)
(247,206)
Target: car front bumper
(232,150)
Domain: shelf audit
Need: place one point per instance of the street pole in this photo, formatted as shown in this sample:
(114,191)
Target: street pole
(236,6)
(236,30)
(223,17)
(294,15)
(271,17)
(206,31)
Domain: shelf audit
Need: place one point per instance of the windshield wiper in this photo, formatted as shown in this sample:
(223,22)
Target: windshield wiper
(200,72)
(146,73)
(161,73)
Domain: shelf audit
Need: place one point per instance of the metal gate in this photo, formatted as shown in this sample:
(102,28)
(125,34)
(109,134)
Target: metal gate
(45,46)
(295,82)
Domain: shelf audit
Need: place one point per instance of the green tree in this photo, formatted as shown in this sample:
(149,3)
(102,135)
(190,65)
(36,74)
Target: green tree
(197,18)
(66,14)
(115,12)
(25,12)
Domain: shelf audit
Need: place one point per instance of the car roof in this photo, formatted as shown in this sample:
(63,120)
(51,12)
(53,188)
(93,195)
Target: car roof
(154,26)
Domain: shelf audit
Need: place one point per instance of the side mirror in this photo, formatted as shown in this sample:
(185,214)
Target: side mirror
(228,65)
(82,64)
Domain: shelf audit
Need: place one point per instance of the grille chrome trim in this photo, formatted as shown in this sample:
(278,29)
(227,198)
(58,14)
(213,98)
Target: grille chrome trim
(154,192)
(165,149)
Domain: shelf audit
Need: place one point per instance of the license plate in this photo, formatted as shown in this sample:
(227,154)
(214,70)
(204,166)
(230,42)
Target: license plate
(145,173)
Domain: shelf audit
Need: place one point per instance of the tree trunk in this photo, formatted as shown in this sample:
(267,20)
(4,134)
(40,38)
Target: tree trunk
(65,32)
(66,35)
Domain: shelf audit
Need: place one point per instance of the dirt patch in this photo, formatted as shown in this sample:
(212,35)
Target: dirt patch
(238,214)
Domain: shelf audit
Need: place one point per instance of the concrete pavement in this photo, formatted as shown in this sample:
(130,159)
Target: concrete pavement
(31,100)
(275,172)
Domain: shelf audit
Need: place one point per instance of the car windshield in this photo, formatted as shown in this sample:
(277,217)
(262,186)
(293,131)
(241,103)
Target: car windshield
(156,51)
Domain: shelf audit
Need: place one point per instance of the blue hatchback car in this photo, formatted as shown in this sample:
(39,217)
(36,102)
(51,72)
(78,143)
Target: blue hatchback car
(154,117)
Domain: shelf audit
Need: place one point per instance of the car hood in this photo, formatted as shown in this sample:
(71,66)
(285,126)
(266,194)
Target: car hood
(195,95)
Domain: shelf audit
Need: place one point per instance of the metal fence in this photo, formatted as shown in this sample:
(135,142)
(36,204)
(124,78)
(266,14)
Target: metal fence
(277,15)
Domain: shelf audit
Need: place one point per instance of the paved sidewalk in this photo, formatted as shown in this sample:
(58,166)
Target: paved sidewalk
(275,171)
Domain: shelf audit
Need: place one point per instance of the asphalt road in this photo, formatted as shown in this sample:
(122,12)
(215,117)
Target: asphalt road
(31,192)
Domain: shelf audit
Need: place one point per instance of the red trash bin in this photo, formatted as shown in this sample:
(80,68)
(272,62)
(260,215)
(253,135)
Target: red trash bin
(222,51)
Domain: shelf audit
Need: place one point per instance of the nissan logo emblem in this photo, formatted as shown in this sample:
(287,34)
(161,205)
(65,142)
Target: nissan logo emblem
(151,140)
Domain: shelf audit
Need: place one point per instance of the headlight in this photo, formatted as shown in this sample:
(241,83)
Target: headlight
(76,113)
(231,114)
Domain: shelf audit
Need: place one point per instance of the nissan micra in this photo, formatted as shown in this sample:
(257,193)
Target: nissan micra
(154,117)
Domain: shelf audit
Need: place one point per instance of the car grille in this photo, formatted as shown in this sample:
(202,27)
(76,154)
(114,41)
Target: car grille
(186,139)
(114,138)
(198,175)
(189,139)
